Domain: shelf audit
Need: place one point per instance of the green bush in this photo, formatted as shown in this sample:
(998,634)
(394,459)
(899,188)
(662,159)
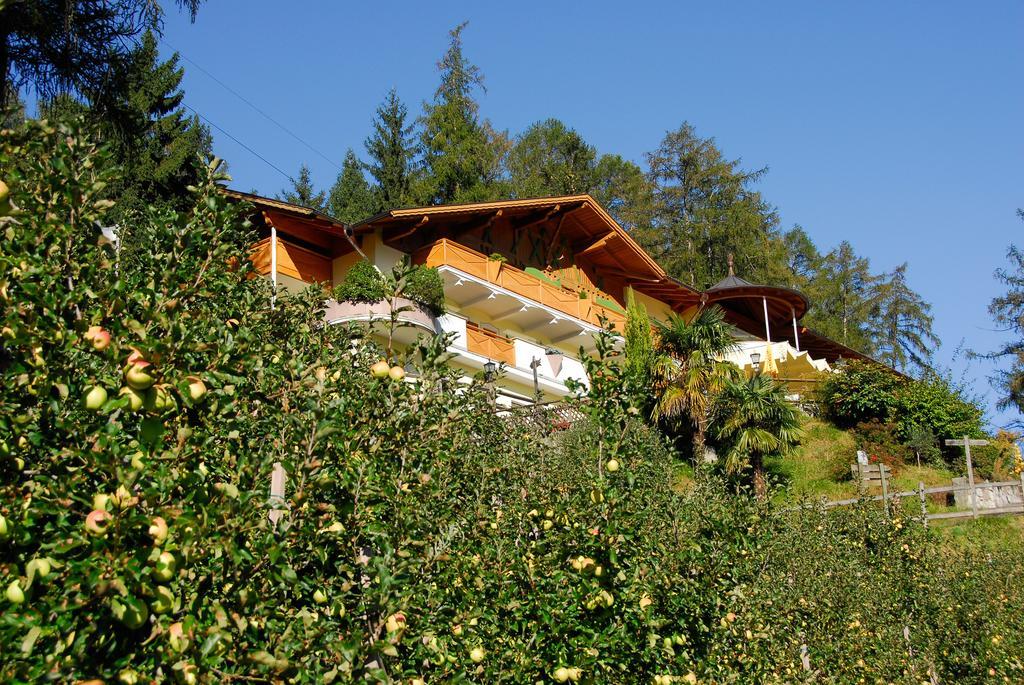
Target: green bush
(363,283)
(860,391)
(421,537)
(868,393)
(424,286)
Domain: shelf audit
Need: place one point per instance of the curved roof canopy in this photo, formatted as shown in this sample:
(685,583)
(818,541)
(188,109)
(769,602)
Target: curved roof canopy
(748,299)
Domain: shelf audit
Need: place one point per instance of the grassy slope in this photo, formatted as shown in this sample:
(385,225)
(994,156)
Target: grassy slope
(819,469)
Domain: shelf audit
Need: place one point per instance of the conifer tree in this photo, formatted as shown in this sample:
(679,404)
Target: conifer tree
(901,323)
(60,46)
(158,144)
(141,117)
(704,210)
(549,158)
(391,149)
(303,193)
(351,199)
(1008,312)
(842,298)
(461,155)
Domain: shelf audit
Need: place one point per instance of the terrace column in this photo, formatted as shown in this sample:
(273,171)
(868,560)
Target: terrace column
(796,335)
(273,266)
(767,331)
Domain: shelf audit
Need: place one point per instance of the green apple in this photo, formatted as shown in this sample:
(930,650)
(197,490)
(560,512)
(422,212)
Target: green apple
(4,530)
(103,502)
(128,677)
(477,654)
(164,601)
(95,397)
(139,374)
(135,398)
(165,566)
(15,595)
(380,369)
(196,389)
(176,637)
(138,461)
(396,373)
(561,674)
(612,466)
(131,612)
(158,530)
(98,337)
(97,522)
(159,400)
(39,566)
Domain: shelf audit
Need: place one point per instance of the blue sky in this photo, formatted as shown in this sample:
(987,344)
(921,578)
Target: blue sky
(894,125)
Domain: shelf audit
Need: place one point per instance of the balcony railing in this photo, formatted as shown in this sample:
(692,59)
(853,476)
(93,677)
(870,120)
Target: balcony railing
(491,345)
(447,253)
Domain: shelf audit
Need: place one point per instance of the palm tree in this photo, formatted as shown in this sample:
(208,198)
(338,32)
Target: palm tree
(691,370)
(754,421)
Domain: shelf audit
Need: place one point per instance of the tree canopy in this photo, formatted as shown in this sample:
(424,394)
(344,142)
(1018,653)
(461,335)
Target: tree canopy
(1008,312)
(55,46)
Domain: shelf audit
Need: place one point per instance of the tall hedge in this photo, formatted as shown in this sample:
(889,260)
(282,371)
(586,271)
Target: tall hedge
(421,537)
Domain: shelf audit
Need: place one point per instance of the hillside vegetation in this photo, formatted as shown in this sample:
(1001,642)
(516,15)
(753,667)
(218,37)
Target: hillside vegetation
(148,393)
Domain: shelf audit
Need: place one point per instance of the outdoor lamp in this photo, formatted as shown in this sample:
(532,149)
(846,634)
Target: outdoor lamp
(755,358)
(490,368)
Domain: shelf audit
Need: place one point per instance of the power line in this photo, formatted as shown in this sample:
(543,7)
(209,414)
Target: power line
(265,160)
(253,106)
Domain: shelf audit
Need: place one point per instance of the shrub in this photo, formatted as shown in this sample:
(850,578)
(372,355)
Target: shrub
(882,444)
(363,283)
(424,286)
(420,538)
(860,391)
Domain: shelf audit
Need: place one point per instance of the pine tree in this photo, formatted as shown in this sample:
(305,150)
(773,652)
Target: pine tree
(391,151)
(549,158)
(351,199)
(13,114)
(159,146)
(141,117)
(901,323)
(705,210)
(303,193)
(461,155)
(842,297)
(1008,312)
(58,46)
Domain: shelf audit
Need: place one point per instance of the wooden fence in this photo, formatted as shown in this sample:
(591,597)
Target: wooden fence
(971,488)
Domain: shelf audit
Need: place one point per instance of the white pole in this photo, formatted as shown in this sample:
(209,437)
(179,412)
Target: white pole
(970,478)
(273,265)
(796,335)
(767,332)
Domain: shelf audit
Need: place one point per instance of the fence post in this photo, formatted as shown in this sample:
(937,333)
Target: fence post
(924,504)
(885,489)
(970,478)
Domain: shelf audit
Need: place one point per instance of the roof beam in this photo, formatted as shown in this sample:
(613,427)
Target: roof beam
(412,229)
(595,245)
(487,222)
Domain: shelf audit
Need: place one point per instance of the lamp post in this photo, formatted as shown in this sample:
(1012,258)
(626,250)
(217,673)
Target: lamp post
(490,371)
(534,365)
(755,360)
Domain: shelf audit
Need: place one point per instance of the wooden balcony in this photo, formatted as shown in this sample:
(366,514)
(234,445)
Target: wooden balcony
(490,345)
(292,260)
(568,301)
